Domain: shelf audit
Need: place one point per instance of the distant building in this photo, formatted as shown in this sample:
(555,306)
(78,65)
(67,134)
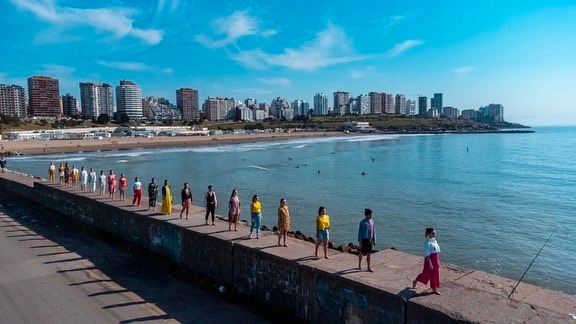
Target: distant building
(410,107)
(188,103)
(300,107)
(215,108)
(475,115)
(422,105)
(388,105)
(363,104)
(261,114)
(279,107)
(450,112)
(375,102)
(13,101)
(44,97)
(95,99)
(400,105)
(129,100)
(69,105)
(320,104)
(251,103)
(159,109)
(341,100)
(433,113)
(493,112)
(437,102)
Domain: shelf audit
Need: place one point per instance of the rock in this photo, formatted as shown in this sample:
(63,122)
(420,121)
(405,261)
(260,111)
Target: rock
(275,229)
(264,228)
(311,239)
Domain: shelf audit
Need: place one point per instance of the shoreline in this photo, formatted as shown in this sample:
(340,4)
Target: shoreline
(45,147)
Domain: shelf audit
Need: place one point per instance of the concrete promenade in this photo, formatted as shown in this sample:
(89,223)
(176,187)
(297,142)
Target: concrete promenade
(291,279)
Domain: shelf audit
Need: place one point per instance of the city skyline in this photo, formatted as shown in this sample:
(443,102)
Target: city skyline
(515,54)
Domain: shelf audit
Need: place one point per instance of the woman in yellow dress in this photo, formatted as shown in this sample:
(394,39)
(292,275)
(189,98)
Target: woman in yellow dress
(283,221)
(166,199)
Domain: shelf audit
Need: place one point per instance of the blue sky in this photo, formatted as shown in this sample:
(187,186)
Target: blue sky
(521,54)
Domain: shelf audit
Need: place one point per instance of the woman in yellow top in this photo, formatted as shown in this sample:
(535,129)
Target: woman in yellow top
(166,199)
(256,211)
(322,231)
(283,221)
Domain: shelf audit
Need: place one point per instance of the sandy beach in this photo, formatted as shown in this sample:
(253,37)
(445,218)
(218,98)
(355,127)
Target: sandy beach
(36,147)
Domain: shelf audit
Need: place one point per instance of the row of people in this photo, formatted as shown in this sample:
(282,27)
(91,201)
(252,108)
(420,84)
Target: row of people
(366,231)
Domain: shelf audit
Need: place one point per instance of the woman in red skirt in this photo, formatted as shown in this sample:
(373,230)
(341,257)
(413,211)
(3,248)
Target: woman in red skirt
(431,270)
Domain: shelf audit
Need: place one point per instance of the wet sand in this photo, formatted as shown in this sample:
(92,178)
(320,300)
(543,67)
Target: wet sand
(36,147)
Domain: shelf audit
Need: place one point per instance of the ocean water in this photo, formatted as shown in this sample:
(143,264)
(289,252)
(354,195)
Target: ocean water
(493,198)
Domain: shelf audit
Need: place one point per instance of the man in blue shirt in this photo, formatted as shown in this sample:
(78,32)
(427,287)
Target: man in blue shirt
(366,238)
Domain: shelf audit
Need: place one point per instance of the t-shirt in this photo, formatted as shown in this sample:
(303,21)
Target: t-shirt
(137,185)
(323,222)
(431,246)
(256,207)
(103,179)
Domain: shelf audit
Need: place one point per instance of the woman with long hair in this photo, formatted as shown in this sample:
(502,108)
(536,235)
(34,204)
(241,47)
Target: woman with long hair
(256,211)
(431,271)
(234,210)
(283,221)
(166,199)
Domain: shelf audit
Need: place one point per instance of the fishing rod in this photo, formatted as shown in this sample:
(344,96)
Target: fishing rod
(537,254)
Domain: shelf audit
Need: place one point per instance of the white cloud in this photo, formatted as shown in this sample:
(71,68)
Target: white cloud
(401,48)
(276,81)
(360,73)
(238,24)
(117,21)
(390,21)
(135,67)
(464,70)
(331,46)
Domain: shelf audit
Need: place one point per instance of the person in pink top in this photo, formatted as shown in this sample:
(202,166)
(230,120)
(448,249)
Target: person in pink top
(233,210)
(111,184)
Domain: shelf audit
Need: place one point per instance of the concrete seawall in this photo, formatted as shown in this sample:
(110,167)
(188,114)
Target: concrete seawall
(291,279)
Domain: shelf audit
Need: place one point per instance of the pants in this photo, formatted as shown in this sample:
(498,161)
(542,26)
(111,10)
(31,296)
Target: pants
(52,176)
(210,209)
(137,196)
(255,224)
(431,274)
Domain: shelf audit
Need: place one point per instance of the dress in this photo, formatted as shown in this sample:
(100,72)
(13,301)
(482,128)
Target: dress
(112,183)
(186,196)
(233,208)
(432,274)
(166,201)
(123,184)
(152,194)
(283,219)
(92,180)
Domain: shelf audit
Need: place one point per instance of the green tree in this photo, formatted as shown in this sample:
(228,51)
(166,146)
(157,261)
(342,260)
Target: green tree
(103,119)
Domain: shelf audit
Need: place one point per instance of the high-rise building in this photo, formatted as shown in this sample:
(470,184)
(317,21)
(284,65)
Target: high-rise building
(12,100)
(410,107)
(437,102)
(363,104)
(388,103)
(44,97)
(375,102)
(320,104)
(278,108)
(400,105)
(215,108)
(493,112)
(341,100)
(95,99)
(160,109)
(422,106)
(300,107)
(69,105)
(251,103)
(129,100)
(450,112)
(188,103)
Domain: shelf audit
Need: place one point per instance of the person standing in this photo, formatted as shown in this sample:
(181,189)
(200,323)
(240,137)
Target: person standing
(137,192)
(111,184)
(186,196)
(166,199)
(61,173)
(66,174)
(3,164)
(122,186)
(211,203)
(52,172)
(83,178)
(283,221)
(366,238)
(74,176)
(431,271)
(152,194)
(322,231)
(103,180)
(256,213)
(92,180)
(234,210)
